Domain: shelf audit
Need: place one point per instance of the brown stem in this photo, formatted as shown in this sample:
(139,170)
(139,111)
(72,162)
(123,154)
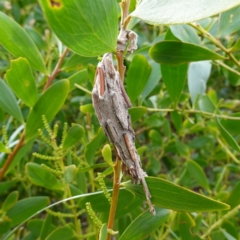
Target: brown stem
(116,186)
(56,70)
(11,156)
(121,67)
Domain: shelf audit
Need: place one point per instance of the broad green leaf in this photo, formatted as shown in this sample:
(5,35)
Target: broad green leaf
(25,208)
(227,235)
(34,226)
(178,12)
(168,195)
(107,154)
(197,173)
(198,74)
(92,146)
(205,104)
(155,137)
(63,233)
(8,101)
(137,112)
(185,33)
(78,61)
(138,75)
(174,52)
(70,173)
(47,227)
(228,137)
(103,232)
(153,80)
(41,177)
(4,149)
(22,82)
(234,198)
(230,125)
(145,224)
(86,109)
(74,135)
(10,201)
(5,225)
(185,223)
(48,104)
(5,186)
(174,78)
(231,228)
(88,28)
(14,38)
(229,22)
(79,78)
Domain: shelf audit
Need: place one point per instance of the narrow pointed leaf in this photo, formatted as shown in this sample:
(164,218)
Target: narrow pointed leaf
(88,28)
(48,104)
(41,177)
(74,135)
(22,82)
(185,223)
(103,232)
(138,74)
(174,78)
(145,224)
(174,52)
(197,173)
(14,38)
(25,208)
(10,201)
(8,101)
(168,195)
(171,12)
(63,233)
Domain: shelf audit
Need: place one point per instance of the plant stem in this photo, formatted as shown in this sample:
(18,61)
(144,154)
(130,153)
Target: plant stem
(56,70)
(221,220)
(116,187)
(11,156)
(192,111)
(215,41)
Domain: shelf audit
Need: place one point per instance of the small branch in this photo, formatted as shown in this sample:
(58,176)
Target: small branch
(214,40)
(221,220)
(56,70)
(212,115)
(11,156)
(227,67)
(116,187)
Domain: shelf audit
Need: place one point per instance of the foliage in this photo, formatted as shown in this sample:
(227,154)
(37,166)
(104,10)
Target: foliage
(182,82)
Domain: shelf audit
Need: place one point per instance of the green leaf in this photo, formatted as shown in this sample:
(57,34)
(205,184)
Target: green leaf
(70,173)
(137,112)
(74,135)
(178,12)
(231,125)
(234,198)
(77,61)
(5,225)
(228,137)
(205,104)
(8,101)
(48,104)
(17,42)
(5,186)
(88,28)
(197,173)
(185,223)
(168,195)
(47,227)
(236,46)
(103,232)
(25,208)
(34,226)
(138,75)
(4,149)
(22,82)
(229,22)
(63,233)
(107,154)
(145,224)
(10,201)
(174,78)
(92,146)
(198,74)
(174,52)
(185,33)
(41,177)
(88,108)
(79,78)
